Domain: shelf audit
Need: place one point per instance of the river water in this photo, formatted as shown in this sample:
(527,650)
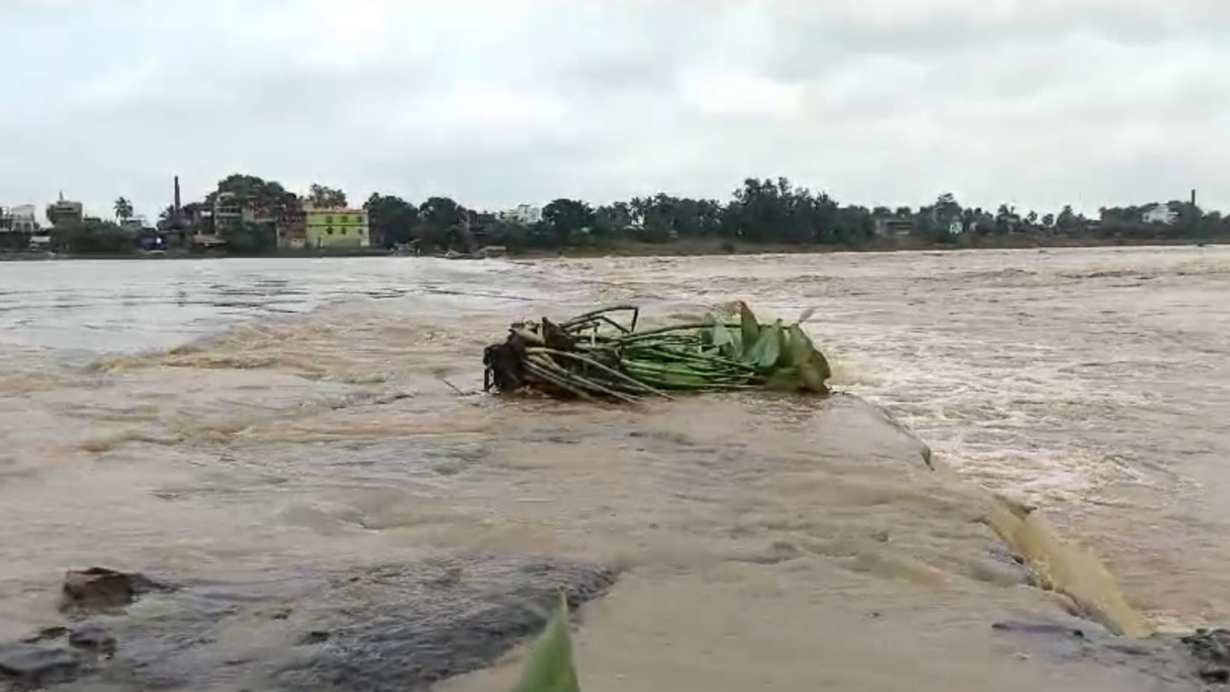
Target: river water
(232,418)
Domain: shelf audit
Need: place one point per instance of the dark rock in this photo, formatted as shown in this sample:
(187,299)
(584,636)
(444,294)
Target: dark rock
(315,637)
(1039,628)
(37,666)
(439,619)
(1218,676)
(94,638)
(386,627)
(99,588)
(45,634)
(1211,649)
(1212,646)
(1185,663)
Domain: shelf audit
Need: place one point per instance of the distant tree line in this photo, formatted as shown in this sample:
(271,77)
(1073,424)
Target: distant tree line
(766,212)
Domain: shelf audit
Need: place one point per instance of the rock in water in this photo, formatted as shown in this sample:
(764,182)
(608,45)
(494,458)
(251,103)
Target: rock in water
(377,628)
(100,588)
(94,638)
(1211,648)
(36,666)
(435,620)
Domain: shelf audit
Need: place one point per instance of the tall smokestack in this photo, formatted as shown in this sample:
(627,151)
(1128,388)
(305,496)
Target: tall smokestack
(1193,196)
(177,195)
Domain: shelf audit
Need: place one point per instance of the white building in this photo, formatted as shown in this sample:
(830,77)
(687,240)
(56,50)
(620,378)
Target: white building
(522,213)
(1159,213)
(19,219)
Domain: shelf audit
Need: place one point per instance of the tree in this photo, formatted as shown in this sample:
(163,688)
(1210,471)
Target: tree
(326,197)
(612,219)
(1188,217)
(439,212)
(249,238)
(1067,220)
(98,237)
(391,218)
(852,226)
(1048,220)
(1210,224)
(436,217)
(946,208)
(123,209)
(1032,217)
(564,217)
(267,198)
(766,210)
(1006,219)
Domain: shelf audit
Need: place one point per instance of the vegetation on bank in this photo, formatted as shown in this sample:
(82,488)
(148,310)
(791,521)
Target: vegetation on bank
(775,214)
(761,215)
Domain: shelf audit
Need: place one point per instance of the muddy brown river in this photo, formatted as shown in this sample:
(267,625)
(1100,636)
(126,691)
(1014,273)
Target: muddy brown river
(238,420)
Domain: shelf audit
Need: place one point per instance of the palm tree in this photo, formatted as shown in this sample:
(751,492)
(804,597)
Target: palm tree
(123,209)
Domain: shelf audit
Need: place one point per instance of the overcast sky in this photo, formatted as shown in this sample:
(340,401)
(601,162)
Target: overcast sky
(1036,102)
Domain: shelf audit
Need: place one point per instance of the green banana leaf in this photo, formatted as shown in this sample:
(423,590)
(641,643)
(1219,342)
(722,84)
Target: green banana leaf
(768,347)
(549,667)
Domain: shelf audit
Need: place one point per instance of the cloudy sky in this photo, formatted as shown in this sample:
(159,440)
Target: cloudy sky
(1034,102)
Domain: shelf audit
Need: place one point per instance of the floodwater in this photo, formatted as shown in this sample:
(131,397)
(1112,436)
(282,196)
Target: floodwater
(233,419)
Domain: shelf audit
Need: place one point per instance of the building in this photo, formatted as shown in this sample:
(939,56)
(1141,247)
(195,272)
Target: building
(19,219)
(227,211)
(292,229)
(522,213)
(893,226)
(1159,213)
(64,213)
(135,224)
(335,228)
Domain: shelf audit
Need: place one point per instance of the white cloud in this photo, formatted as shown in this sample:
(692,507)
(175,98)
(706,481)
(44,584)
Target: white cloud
(877,101)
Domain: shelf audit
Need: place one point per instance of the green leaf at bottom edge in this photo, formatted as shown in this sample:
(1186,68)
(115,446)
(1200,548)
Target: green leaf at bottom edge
(549,667)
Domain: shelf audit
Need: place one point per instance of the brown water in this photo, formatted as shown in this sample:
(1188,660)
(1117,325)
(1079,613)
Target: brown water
(234,418)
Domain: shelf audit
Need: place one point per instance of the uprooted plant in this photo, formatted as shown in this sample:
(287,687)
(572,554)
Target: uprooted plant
(597,356)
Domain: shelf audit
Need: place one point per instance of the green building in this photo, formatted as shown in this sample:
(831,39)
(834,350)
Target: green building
(335,228)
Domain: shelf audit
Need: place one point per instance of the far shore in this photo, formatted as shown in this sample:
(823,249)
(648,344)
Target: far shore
(681,248)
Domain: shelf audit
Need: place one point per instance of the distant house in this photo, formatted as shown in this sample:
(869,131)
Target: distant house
(135,224)
(18,219)
(228,211)
(522,213)
(292,229)
(336,228)
(892,226)
(1164,214)
(64,212)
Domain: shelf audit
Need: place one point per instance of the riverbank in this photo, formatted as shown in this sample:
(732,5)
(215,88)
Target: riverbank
(692,247)
(702,247)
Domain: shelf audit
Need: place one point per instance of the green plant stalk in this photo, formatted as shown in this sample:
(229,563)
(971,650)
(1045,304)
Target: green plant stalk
(638,336)
(580,381)
(595,364)
(670,354)
(673,368)
(546,376)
